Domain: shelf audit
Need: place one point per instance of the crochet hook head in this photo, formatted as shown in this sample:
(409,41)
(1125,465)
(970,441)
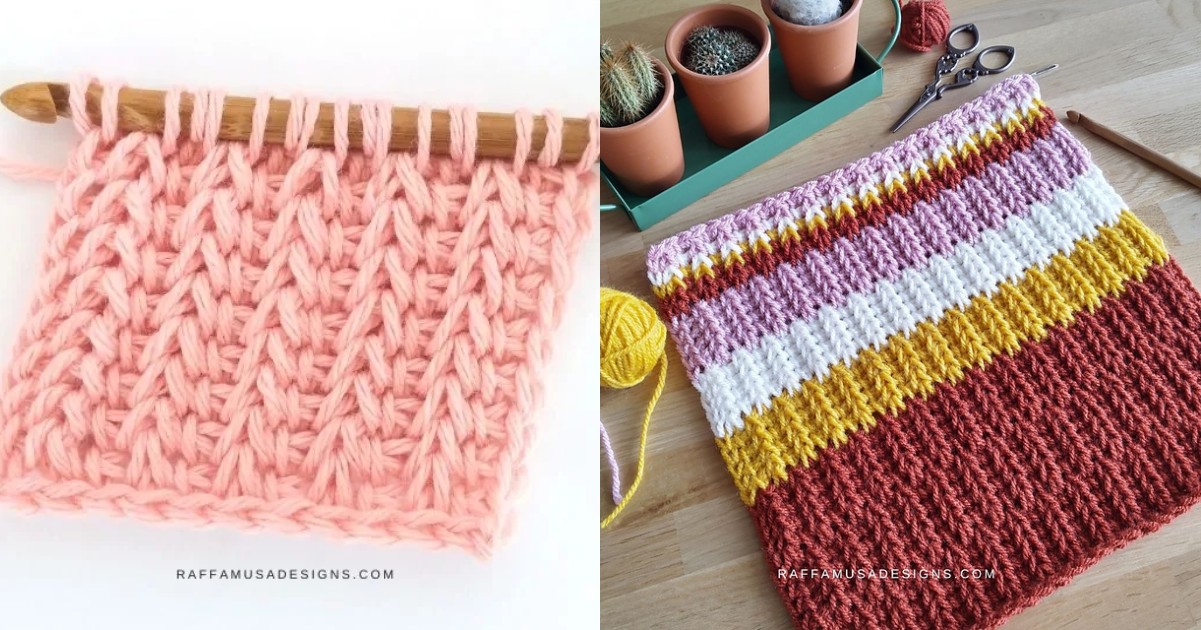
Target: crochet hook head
(31,101)
(1049,68)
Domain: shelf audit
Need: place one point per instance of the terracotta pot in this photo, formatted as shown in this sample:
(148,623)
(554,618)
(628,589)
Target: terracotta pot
(646,156)
(733,108)
(820,58)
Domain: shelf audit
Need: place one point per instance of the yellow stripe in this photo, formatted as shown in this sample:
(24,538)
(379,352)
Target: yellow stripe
(821,413)
(971,147)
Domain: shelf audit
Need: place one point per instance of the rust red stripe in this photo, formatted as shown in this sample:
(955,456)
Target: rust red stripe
(792,250)
(1035,467)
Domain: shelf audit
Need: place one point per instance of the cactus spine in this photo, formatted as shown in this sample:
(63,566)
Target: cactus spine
(629,84)
(716,51)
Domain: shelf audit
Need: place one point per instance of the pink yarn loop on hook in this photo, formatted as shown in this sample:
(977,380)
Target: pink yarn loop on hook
(108,111)
(524,123)
(425,129)
(463,136)
(312,109)
(171,124)
(592,149)
(376,119)
(207,109)
(258,127)
(341,130)
(552,146)
(77,101)
(302,119)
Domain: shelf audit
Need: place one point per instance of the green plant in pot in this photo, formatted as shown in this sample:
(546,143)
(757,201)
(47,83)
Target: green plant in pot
(640,134)
(719,53)
(817,39)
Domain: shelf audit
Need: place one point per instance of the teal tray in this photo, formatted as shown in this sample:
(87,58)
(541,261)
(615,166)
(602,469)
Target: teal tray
(708,167)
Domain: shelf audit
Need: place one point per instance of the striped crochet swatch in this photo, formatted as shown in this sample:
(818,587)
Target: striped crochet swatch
(316,339)
(960,352)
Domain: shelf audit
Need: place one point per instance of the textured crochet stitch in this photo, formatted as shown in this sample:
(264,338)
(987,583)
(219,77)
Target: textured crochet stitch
(961,352)
(292,337)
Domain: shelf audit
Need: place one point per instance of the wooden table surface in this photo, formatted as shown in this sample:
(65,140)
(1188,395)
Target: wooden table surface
(685,554)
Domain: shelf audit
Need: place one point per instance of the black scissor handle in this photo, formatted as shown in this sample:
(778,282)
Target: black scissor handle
(983,68)
(968,76)
(963,28)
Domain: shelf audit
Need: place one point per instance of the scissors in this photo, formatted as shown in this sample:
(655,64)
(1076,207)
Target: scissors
(963,78)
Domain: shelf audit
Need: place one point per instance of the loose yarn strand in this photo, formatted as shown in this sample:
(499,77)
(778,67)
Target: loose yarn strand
(25,171)
(646,426)
(614,470)
(633,344)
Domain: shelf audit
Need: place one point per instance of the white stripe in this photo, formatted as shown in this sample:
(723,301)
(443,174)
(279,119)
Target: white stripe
(951,149)
(808,348)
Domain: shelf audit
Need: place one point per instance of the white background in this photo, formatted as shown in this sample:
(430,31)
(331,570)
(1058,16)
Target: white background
(65,571)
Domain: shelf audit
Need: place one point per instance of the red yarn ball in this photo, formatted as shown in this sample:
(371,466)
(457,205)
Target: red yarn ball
(924,24)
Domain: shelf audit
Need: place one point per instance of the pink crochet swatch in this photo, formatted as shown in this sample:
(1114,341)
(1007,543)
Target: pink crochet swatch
(292,337)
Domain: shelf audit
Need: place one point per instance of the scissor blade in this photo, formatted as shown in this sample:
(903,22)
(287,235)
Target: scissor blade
(921,102)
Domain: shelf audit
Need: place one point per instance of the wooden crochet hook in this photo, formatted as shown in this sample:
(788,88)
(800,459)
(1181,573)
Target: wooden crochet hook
(1137,148)
(142,110)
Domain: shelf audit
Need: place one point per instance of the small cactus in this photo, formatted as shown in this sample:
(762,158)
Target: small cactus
(702,36)
(716,50)
(713,60)
(808,12)
(629,84)
(745,51)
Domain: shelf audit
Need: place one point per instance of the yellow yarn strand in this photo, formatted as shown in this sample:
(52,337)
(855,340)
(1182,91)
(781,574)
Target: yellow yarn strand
(646,425)
(632,344)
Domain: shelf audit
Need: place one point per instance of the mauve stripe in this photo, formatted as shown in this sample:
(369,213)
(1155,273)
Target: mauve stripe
(739,316)
(786,207)
(762,261)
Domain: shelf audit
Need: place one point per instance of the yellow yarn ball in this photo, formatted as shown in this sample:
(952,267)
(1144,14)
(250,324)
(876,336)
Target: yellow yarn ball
(632,339)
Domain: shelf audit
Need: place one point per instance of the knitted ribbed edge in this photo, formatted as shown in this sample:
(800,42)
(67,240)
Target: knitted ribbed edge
(900,362)
(1034,468)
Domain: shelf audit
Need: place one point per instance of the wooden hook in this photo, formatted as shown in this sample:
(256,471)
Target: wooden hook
(143,110)
(1136,148)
